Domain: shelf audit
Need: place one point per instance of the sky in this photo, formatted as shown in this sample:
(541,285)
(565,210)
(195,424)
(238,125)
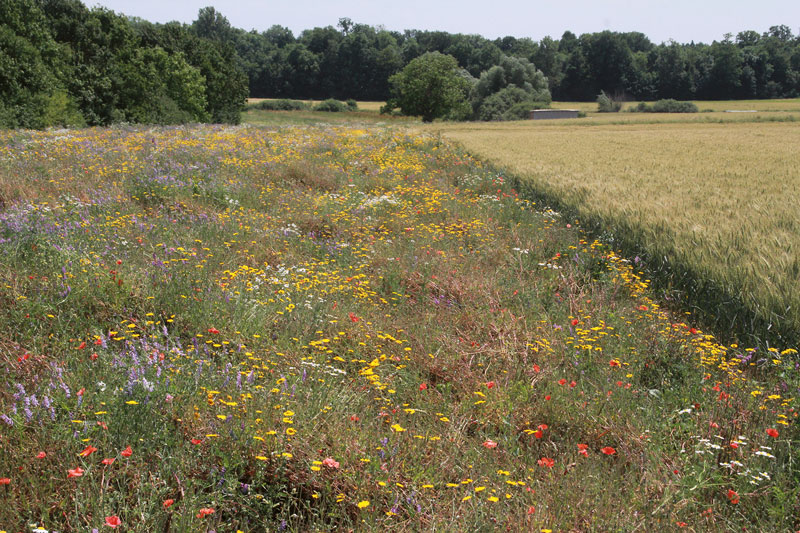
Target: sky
(681,20)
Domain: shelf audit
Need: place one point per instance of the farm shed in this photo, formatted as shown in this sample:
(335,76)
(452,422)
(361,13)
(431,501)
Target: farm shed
(541,114)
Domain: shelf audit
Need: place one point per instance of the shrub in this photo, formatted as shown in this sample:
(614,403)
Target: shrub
(666,106)
(673,106)
(352,105)
(606,104)
(511,103)
(331,106)
(515,84)
(522,110)
(282,105)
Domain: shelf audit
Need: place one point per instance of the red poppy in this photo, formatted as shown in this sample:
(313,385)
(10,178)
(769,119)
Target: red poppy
(196,441)
(82,346)
(127,452)
(113,521)
(547,398)
(490,384)
(89,450)
(613,363)
(538,434)
(108,461)
(575,322)
(583,449)
(608,450)
(205,511)
(773,433)
(734,445)
(536,368)
(733,496)
(75,472)
(331,463)
(41,455)
(546,461)
(562,381)
(353,318)
(213,331)
(5,480)
(531,509)
(354,418)
(490,444)
(168,502)
(423,386)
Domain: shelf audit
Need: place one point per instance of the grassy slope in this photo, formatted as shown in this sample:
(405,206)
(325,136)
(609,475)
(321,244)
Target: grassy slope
(330,327)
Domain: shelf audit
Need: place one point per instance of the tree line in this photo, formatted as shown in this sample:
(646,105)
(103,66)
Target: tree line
(356,60)
(63,63)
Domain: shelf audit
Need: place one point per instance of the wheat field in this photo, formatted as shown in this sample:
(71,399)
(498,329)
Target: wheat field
(715,200)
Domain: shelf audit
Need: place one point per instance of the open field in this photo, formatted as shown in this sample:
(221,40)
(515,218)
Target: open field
(775,105)
(362,106)
(335,328)
(367,113)
(717,201)
(258,117)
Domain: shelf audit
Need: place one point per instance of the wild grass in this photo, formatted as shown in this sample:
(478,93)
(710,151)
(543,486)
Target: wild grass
(712,205)
(340,328)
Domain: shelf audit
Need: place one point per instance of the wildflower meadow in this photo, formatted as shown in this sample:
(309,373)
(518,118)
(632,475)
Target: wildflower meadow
(318,328)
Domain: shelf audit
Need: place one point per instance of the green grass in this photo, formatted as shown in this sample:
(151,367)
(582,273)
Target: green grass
(341,327)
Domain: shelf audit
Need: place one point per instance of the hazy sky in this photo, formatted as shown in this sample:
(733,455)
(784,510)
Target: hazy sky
(681,20)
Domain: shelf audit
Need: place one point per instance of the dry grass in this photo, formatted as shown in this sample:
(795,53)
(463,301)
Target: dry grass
(719,198)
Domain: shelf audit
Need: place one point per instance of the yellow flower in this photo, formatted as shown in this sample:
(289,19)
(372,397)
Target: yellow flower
(132,402)
(363,504)
(291,431)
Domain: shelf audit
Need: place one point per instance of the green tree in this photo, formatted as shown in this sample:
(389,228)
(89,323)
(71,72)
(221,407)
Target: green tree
(29,58)
(431,86)
(511,82)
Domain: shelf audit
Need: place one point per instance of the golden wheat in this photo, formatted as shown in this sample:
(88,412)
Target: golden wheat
(719,198)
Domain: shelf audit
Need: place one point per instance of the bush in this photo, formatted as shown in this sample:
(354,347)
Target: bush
(352,105)
(666,106)
(673,106)
(522,110)
(331,106)
(511,103)
(282,105)
(606,104)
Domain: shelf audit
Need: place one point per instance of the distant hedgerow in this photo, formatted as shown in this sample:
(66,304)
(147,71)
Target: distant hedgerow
(666,106)
(282,105)
(333,106)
